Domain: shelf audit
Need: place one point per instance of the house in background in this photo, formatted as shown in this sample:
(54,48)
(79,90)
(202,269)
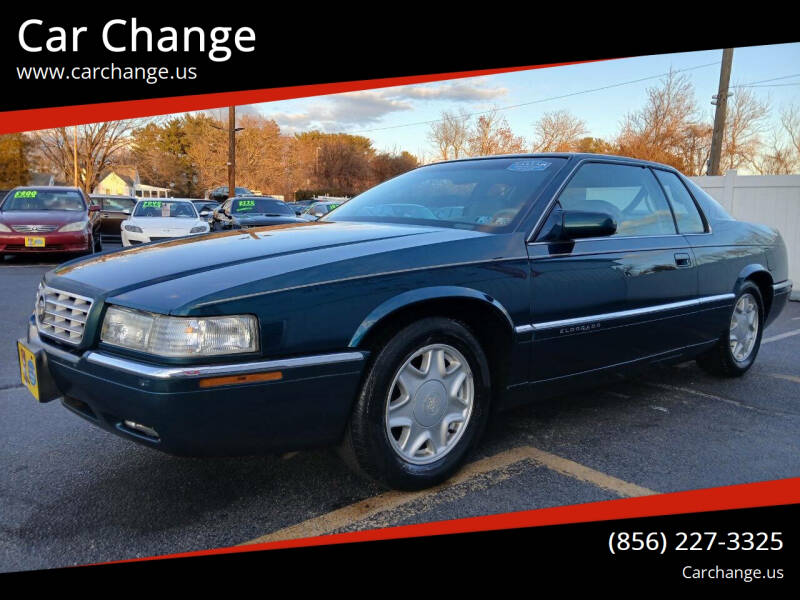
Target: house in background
(124,181)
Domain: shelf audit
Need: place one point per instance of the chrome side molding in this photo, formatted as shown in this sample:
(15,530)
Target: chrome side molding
(193,371)
(623,314)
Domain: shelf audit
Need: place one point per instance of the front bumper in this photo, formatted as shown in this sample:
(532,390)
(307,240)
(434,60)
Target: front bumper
(309,406)
(14,243)
(132,238)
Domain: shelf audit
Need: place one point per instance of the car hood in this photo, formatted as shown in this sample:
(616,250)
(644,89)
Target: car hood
(162,223)
(257,219)
(175,275)
(41,217)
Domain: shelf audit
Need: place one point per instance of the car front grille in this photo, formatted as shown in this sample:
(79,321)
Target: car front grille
(34,228)
(62,315)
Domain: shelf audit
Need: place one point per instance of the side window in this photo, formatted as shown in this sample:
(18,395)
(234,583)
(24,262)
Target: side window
(630,194)
(712,209)
(686,213)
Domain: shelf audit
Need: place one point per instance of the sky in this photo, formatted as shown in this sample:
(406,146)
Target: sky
(395,118)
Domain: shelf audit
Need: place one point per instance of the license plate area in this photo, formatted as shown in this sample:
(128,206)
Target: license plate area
(34,242)
(34,374)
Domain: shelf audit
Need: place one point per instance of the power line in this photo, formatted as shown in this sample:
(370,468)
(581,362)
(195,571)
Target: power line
(768,80)
(771,85)
(541,100)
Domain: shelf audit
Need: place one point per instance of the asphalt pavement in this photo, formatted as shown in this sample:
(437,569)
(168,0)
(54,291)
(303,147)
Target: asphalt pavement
(73,494)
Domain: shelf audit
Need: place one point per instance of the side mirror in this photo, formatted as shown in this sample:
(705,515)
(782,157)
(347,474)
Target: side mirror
(203,213)
(579,224)
(126,211)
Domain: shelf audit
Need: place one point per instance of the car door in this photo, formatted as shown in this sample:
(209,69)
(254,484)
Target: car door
(605,301)
(114,212)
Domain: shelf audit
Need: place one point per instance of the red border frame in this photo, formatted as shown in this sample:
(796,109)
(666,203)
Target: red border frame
(62,116)
(749,495)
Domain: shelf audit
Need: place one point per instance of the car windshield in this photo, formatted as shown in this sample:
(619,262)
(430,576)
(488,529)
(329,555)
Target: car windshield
(485,195)
(260,206)
(21,200)
(165,208)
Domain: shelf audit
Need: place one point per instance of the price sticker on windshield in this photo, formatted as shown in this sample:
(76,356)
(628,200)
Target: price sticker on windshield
(528,165)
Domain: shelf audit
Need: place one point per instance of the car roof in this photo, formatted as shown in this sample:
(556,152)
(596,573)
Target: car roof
(54,188)
(575,155)
(167,199)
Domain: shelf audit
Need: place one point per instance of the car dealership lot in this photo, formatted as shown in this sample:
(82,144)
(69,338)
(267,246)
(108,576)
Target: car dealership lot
(71,493)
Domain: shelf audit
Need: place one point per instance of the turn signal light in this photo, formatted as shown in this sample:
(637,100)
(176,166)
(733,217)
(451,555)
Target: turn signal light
(234,379)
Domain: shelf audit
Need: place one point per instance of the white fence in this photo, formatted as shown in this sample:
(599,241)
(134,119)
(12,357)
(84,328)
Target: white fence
(773,200)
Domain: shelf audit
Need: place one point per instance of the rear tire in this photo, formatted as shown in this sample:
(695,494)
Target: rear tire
(738,347)
(422,408)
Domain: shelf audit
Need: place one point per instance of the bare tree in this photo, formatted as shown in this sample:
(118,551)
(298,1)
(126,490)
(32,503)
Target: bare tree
(14,163)
(790,121)
(660,130)
(781,156)
(450,134)
(98,145)
(493,135)
(744,126)
(694,149)
(558,131)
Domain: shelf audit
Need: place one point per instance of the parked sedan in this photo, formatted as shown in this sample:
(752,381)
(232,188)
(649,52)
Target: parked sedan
(156,220)
(220,194)
(206,208)
(252,211)
(319,209)
(113,211)
(394,333)
(48,219)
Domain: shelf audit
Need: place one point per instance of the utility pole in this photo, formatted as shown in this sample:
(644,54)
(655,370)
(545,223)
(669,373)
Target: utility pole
(721,102)
(75,153)
(231,151)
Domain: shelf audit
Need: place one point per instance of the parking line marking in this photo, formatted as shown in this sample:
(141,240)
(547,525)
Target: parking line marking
(763,411)
(780,336)
(786,377)
(387,501)
(587,474)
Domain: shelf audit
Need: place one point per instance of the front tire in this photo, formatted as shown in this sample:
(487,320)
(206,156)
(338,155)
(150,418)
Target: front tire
(422,407)
(736,350)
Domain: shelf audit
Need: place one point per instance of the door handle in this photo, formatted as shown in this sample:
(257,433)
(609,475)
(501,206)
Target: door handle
(683,260)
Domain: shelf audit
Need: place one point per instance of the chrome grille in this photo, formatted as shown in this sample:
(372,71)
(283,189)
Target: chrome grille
(62,315)
(34,228)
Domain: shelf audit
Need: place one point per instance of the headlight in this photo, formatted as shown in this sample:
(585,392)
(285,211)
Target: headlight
(76,226)
(199,229)
(179,336)
(133,229)
(4,228)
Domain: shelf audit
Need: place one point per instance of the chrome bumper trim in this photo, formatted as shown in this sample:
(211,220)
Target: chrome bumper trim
(782,288)
(622,314)
(192,371)
(195,371)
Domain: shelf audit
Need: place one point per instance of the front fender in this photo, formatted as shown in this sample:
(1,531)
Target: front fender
(421,295)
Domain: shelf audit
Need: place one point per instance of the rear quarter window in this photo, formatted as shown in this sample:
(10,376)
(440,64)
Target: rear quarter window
(713,210)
